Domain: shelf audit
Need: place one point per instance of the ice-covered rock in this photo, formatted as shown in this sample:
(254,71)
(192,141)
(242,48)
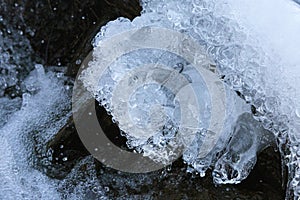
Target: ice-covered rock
(240,46)
(161,101)
(261,64)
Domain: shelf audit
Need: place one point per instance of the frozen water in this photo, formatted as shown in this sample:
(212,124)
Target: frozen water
(24,134)
(8,107)
(152,86)
(254,45)
(238,37)
(282,75)
(17,156)
(248,138)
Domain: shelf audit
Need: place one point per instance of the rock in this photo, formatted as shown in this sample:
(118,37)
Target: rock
(63,30)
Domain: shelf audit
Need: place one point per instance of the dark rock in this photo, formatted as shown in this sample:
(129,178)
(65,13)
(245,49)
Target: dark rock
(63,30)
(175,183)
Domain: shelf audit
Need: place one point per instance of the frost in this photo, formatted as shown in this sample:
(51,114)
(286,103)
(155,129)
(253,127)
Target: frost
(26,126)
(7,108)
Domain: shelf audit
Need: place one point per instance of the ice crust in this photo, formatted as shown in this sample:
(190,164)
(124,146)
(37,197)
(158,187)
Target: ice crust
(255,48)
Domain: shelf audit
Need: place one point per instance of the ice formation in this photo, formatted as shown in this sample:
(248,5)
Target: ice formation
(256,53)
(17,156)
(261,64)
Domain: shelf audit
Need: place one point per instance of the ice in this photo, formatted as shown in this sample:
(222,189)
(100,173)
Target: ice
(260,63)
(24,136)
(152,93)
(17,146)
(254,46)
(282,78)
(162,142)
(8,107)
(194,155)
(28,124)
(248,139)
(251,45)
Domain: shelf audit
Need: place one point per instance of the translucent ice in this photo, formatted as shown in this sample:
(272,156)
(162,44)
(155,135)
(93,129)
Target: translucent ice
(240,40)
(253,59)
(248,138)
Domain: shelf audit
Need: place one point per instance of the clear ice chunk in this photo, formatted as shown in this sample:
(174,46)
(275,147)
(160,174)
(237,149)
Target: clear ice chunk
(248,139)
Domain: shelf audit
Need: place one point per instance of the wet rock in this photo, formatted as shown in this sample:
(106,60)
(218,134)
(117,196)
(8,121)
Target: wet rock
(173,182)
(66,150)
(16,54)
(62,31)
